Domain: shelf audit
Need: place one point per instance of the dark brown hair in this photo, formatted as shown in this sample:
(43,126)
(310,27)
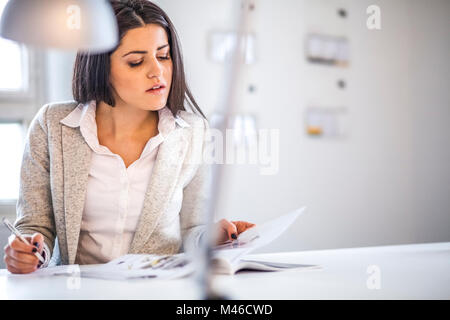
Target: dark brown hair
(91,71)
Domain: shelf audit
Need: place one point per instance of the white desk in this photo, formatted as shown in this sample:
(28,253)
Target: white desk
(420,271)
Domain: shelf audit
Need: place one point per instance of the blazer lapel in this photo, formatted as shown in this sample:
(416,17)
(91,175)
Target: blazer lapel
(76,161)
(161,186)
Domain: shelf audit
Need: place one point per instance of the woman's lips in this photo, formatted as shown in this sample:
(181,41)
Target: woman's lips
(156,91)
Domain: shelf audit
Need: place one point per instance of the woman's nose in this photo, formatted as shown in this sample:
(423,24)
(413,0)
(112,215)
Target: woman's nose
(155,69)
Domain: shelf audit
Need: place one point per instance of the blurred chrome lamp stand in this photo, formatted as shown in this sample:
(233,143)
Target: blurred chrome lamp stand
(228,109)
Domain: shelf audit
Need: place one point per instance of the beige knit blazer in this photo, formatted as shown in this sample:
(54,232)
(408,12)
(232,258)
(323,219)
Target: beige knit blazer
(54,175)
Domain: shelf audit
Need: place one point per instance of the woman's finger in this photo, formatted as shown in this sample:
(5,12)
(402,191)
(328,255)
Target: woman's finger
(10,261)
(17,245)
(21,251)
(21,260)
(229,228)
(27,258)
(37,240)
(221,232)
(242,225)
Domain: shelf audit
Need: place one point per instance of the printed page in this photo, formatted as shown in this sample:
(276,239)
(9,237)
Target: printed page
(141,266)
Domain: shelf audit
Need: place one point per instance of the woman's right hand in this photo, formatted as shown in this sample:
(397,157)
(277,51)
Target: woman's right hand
(20,257)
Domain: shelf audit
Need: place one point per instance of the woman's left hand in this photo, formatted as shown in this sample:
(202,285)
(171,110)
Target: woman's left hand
(229,230)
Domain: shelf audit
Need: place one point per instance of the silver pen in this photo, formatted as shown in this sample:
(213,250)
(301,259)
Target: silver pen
(21,237)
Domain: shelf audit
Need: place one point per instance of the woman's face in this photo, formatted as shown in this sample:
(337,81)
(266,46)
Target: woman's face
(142,61)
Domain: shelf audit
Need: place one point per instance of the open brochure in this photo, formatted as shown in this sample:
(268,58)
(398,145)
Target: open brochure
(228,258)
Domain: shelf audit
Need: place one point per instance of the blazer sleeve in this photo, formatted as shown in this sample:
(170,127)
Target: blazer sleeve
(34,207)
(195,200)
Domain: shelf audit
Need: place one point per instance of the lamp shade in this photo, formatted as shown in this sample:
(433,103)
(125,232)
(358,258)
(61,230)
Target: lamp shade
(87,25)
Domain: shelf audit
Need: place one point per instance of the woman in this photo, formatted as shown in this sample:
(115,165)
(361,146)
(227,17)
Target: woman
(117,170)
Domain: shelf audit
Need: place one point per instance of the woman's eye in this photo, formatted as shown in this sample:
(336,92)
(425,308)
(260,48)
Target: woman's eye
(131,64)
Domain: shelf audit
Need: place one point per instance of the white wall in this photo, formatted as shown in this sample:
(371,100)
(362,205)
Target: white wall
(388,181)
